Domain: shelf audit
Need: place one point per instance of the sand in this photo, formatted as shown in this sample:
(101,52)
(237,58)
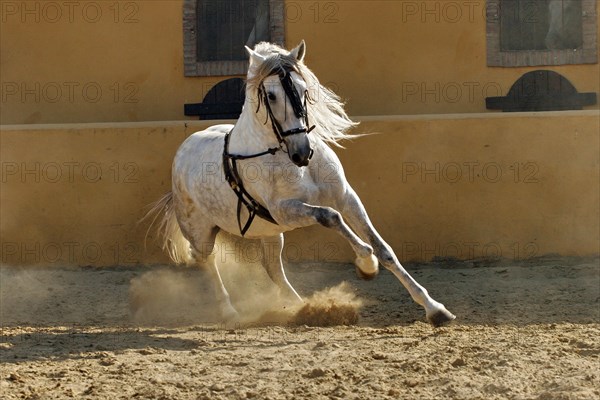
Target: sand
(524,330)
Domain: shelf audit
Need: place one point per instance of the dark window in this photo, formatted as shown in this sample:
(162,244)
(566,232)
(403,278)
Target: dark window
(225,26)
(540,25)
(541,32)
(216,31)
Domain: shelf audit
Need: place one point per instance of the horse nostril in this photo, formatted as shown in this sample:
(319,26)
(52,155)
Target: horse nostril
(296,159)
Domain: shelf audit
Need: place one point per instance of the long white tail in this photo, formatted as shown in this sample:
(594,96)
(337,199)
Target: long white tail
(168,230)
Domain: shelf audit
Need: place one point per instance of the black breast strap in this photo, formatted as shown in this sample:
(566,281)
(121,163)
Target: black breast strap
(235,181)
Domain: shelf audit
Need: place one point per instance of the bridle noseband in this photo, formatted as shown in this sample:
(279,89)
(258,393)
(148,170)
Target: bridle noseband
(230,160)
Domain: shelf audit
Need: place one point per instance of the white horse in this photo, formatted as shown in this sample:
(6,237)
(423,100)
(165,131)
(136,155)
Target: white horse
(274,135)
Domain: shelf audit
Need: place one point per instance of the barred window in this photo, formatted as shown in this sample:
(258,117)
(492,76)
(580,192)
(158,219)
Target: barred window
(541,32)
(216,31)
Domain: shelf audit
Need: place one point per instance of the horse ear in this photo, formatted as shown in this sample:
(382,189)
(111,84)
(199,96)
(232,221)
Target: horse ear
(255,58)
(299,51)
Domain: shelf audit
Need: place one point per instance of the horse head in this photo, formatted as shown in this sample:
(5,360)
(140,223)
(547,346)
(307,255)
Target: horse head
(277,86)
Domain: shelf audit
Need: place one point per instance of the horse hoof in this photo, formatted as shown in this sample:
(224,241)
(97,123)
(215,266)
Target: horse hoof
(367,268)
(230,315)
(365,277)
(440,317)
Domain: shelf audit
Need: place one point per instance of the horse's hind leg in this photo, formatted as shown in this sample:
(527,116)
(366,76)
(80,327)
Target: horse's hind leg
(202,246)
(271,260)
(356,215)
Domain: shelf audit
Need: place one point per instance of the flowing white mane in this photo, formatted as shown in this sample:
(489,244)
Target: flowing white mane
(325,108)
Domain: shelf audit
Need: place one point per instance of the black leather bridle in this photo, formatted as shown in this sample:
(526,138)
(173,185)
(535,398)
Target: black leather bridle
(300,109)
(230,160)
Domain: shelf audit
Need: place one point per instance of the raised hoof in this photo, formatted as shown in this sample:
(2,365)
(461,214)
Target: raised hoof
(367,267)
(440,318)
(364,276)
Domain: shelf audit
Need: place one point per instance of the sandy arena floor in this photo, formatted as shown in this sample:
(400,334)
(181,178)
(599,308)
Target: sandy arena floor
(524,330)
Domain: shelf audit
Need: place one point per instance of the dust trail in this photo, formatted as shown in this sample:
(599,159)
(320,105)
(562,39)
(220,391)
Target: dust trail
(23,295)
(167,297)
(45,296)
(185,295)
(170,297)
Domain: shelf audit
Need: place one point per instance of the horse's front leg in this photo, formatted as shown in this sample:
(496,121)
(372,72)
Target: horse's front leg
(297,214)
(354,212)
(271,251)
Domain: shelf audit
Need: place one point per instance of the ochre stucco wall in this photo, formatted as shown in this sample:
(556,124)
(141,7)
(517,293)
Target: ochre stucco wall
(465,186)
(102,61)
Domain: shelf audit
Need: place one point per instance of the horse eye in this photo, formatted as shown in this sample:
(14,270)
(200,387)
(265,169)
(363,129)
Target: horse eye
(271,96)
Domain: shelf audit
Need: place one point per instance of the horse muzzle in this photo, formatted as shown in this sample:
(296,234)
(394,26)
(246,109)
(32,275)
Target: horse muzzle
(298,145)
(302,158)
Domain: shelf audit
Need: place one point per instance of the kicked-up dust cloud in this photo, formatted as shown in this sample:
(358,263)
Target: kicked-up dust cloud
(337,305)
(179,296)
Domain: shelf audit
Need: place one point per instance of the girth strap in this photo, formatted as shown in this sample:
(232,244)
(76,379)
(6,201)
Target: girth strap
(235,182)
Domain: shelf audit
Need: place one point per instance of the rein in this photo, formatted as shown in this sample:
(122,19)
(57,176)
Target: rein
(230,160)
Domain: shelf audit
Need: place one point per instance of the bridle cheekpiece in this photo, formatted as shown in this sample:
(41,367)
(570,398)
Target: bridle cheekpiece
(300,109)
